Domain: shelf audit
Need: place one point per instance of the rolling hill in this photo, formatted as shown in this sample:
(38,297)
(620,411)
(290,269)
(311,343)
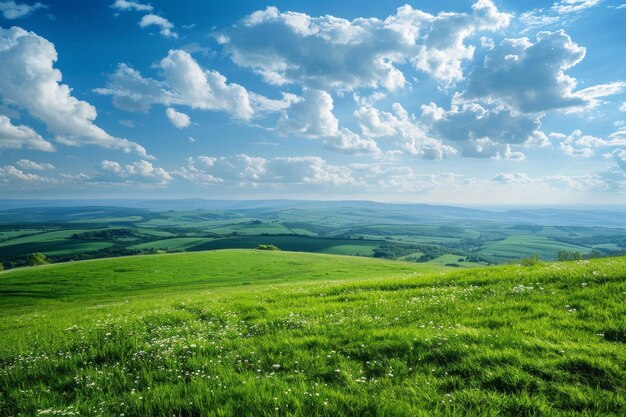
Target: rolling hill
(238,332)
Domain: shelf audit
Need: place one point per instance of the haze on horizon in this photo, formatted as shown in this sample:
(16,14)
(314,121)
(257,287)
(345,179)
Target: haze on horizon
(483,102)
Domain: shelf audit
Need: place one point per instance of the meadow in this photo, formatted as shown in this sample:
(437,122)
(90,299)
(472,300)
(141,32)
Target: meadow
(256,333)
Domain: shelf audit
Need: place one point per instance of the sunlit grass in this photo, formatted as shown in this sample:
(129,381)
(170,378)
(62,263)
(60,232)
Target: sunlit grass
(513,341)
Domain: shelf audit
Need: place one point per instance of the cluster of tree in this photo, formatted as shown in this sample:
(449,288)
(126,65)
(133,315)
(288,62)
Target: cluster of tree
(37,258)
(478,243)
(396,250)
(105,234)
(111,252)
(267,247)
(566,255)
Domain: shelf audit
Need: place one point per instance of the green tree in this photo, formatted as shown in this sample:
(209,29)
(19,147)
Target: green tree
(37,259)
(530,260)
(267,247)
(566,255)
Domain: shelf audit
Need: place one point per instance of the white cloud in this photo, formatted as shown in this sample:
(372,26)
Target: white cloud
(592,95)
(618,138)
(577,144)
(483,133)
(444,49)
(9,174)
(347,141)
(529,77)
(246,170)
(12,10)
(311,116)
(402,179)
(138,172)
(28,80)
(164,25)
(178,119)
(623,107)
(125,5)
(561,13)
(574,6)
(409,134)
(328,52)
(184,82)
(621,6)
(512,178)
(19,136)
(27,164)
(620,157)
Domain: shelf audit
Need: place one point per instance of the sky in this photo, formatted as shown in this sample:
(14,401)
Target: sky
(458,102)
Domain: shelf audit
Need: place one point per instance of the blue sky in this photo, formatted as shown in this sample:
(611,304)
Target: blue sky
(484,102)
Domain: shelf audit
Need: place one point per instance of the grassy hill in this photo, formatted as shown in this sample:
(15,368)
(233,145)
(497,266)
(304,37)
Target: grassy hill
(251,333)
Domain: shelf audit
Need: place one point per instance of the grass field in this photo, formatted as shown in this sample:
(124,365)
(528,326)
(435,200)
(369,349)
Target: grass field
(180,243)
(527,245)
(295,243)
(255,333)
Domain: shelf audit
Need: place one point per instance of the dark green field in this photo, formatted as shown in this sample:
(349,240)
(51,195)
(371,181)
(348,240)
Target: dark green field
(257,333)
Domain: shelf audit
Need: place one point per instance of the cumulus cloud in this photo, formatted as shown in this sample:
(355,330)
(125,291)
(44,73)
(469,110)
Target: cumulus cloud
(251,171)
(178,119)
(11,10)
(29,81)
(124,5)
(512,178)
(137,172)
(328,52)
(311,116)
(623,107)
(28,164)
(347,141)
(10,174)
(164,25)
(480,132)
(184,82)
(530,77)
(409,134)
(20,136)
(577,144)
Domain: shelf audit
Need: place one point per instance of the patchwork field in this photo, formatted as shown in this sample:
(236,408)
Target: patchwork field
(358,228)
(239,332)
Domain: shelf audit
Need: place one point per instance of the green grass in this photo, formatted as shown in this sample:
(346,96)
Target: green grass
(251,229)
(453,259)
(180,243)
(519,246)
(251,333)
(56,242)
(294,243)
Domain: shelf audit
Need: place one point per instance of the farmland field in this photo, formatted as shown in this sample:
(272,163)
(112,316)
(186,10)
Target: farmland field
(347,228)
(240,332)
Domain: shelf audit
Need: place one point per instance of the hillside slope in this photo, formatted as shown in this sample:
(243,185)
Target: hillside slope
(311,335)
